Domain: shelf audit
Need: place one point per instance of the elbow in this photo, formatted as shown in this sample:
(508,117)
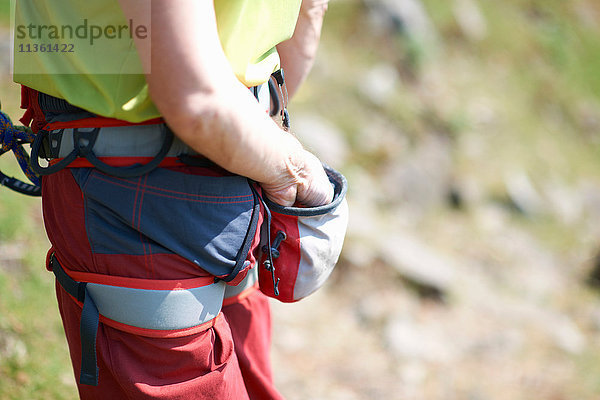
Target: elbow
(314,8)
(191,117)
(202,121)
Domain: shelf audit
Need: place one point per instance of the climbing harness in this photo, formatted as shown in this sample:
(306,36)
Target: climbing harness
(13,138)
(83,142)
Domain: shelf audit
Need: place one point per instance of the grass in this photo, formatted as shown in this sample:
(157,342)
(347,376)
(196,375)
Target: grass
(34,360)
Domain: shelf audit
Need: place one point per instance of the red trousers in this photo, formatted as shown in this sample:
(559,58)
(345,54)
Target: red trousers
(250,322)
(228,360)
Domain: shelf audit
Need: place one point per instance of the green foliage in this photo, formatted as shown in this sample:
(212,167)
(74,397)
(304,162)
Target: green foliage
(4,12)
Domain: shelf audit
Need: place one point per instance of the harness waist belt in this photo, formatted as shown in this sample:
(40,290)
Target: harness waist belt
(101,141)
(119,141)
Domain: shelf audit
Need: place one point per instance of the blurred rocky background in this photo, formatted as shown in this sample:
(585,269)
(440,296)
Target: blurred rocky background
(469,131)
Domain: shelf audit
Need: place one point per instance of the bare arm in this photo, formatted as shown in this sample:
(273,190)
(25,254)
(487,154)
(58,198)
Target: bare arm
(298,53)
(193,86)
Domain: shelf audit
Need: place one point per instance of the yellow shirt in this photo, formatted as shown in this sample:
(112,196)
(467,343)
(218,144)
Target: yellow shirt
(83,51)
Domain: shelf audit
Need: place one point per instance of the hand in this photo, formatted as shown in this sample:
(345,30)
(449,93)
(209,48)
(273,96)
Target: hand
(305,182)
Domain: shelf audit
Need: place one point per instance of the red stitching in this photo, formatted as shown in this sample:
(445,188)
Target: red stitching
(156,193)
(199,195)
(184,193)
(99,122)
(133,212)
(139,221)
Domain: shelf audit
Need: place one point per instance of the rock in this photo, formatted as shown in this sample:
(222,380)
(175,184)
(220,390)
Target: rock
(409,340)
(418,263)
(523,196)
(365,221)
(482,114)
(357,253)
(594,317)
(422,179)
(455,198)
(413,375)
(491,218)
(565,203)
(379,83)
(588,118)
(556,326)
(531,256)
(567,336)
(593,278)
(406,17)
(464,192)
(499,344)
(321,137)
(590,197)
(470,19)
(382,138)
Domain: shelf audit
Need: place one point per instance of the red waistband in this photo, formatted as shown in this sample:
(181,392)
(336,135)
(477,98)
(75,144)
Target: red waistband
(140,283)
(98,122)
(122,162)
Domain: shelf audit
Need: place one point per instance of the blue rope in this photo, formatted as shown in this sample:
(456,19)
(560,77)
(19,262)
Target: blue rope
(12,138)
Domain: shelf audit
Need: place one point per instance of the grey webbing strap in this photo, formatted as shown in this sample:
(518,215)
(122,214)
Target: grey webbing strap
(74,288)
(88,327)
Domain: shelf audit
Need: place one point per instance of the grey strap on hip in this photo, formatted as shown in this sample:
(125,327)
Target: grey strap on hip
(249,281)
(141,308)
(158,309)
